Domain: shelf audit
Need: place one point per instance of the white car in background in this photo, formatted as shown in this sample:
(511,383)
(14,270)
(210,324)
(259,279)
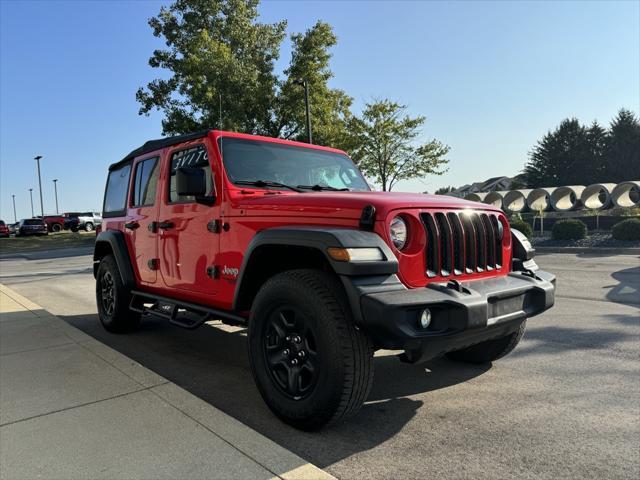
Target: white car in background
(88,221)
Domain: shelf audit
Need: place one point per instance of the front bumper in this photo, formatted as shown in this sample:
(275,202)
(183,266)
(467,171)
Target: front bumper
(463,314)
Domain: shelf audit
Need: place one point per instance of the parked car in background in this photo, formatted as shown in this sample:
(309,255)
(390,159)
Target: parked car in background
(31,226)
(4,229)
(55,223)
(71,223)
(87,221)
(12,228)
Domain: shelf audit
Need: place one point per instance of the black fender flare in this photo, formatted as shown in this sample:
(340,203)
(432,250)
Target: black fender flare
(321,239)
(118,246)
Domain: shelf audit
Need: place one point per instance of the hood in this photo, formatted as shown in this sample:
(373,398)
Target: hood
(343,204)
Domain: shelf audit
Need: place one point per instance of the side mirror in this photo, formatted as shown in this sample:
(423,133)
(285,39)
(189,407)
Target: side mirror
(191,181)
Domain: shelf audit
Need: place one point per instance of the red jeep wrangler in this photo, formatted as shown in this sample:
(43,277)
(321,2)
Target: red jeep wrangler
(288,239)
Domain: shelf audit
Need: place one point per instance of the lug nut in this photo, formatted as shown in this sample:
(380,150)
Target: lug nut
(288,339)
(301,353)
(296,339)
(294,361)
(285,351)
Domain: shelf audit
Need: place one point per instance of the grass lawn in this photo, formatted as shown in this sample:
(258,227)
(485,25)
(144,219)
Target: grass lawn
(50,242)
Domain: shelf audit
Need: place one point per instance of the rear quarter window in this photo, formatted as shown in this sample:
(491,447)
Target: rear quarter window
(115,195)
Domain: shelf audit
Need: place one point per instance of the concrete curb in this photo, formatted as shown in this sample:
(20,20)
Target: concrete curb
(247,444)
(590,250)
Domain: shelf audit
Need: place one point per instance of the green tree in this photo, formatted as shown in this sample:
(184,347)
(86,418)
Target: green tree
(221,62)
(444,190)
(330,108)
(558,159)
(386,149)
(623,148)
(576,155)
(221,65)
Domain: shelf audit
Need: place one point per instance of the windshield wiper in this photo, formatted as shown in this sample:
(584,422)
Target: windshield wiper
(319,188)
(268,183)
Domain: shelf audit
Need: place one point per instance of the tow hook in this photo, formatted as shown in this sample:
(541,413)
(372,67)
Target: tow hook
(454,284)
(410,356)
(530,273)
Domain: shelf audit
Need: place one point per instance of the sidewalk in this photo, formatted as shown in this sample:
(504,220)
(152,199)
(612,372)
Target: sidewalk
(71,407)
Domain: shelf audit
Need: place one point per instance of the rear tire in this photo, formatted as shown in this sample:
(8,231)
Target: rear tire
(56,227)
(113,299)
(311,364)
(490,350)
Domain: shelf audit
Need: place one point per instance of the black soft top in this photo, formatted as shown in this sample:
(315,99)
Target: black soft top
(160,143)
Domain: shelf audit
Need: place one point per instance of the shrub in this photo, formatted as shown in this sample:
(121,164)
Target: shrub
(569,229)
(521,225)
(627,229)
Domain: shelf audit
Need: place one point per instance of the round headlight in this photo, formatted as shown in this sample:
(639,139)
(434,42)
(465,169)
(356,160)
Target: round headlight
(398,232)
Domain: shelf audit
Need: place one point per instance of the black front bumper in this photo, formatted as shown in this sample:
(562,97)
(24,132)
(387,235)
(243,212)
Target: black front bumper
(462,314)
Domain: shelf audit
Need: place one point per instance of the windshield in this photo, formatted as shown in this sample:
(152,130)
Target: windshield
(254,161)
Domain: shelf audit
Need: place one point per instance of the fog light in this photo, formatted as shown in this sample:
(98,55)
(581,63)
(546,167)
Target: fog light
(425,318)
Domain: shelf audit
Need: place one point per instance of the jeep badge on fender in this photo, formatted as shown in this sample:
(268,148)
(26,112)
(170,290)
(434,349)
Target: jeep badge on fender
(321,270)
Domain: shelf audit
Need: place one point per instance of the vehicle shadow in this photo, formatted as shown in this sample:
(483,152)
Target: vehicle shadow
(212,364)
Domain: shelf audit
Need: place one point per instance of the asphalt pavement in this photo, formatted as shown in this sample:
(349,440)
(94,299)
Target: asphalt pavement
(565,404)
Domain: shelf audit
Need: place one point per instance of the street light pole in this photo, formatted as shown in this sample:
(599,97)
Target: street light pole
(15,217)
(305,84)
(37,159)
(31,195)
(55,188)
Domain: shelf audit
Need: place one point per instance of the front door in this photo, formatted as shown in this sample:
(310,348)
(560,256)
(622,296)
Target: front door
(142,216)
(187,246)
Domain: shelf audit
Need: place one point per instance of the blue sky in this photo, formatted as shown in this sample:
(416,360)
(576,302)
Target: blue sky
(491,78)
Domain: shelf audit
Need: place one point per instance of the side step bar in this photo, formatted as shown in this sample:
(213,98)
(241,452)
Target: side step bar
(169,309)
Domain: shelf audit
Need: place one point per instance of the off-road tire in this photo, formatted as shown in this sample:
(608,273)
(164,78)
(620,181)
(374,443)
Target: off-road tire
(56,227)
(490,350)
(115,315)
(88,227)
(343,353)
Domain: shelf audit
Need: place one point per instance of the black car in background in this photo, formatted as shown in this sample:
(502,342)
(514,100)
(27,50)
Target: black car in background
(31,226)
(71,222)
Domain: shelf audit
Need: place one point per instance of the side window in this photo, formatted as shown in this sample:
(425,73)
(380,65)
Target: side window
(145,182)
(191,157)
(115,195)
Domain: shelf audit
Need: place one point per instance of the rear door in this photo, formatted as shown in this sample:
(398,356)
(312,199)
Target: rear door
(187,246)
(142,215)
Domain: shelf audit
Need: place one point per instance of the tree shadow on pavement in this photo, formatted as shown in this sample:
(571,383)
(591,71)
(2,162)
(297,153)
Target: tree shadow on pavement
(212,364)
(628,288)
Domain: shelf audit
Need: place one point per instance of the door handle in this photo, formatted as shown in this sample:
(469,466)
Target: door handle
(131,225)
(165,225)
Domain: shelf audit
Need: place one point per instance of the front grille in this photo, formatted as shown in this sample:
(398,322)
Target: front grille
(461,243)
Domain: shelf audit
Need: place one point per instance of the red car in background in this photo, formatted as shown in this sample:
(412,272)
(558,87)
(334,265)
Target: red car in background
(55,223)
(4,229)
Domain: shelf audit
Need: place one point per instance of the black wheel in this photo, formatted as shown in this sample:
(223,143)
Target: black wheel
(56,227)
(490,350)
(113,299)
(88,227)
(313,367)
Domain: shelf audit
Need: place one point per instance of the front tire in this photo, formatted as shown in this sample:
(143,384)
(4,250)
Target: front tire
(113,299)
(311,364)
(490,350)
(88,227)
(56,227)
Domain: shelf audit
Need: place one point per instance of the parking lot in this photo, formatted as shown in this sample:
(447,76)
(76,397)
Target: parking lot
(566,403)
